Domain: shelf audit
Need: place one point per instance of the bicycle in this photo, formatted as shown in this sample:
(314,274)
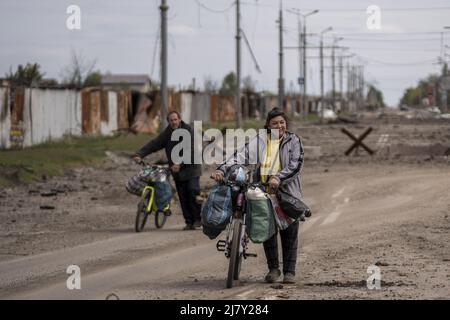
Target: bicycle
(236,244)
(147,204)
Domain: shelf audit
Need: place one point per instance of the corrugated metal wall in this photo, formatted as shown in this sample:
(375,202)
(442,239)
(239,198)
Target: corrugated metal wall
(192,106)
(109,112)
(51,115)
(201,107)
(222,109)
(123,107)
(5,119)
(32,116)
(186,106)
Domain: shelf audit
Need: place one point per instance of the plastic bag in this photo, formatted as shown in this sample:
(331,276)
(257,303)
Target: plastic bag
(281,218)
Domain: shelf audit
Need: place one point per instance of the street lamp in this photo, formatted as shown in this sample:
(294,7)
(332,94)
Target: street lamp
(304,61)
(302,51)
(321,72)
(333,71)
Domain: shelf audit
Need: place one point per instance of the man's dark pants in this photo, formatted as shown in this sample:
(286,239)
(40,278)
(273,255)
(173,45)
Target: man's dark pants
(187,192)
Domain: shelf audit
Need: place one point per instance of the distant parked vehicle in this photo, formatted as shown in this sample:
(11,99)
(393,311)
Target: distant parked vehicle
(435,110)
(404,107)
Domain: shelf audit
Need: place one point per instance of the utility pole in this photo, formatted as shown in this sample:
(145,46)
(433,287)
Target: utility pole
(362,85)
(163,121)
(238,66)
(322,104)
(341,84)
(333,77)
(305,107)
(281,79)
(321,80)
(301,79)
(333,74)
(349,76)
(302,55)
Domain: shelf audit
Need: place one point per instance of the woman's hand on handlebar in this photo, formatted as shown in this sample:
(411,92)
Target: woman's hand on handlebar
(274,183)
(217,175)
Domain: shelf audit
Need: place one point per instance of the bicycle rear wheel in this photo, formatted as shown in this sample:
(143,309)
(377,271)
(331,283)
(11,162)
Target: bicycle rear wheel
(160,219)
(234,266)
(141,214)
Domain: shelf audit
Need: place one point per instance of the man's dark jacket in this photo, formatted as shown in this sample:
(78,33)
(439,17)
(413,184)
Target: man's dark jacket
(164,141)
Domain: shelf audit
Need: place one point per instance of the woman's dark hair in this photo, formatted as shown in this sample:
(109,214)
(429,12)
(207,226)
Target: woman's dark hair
(275,112)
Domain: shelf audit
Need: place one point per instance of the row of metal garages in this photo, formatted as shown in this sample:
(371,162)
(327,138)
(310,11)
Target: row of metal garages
(33,116)
(30,116)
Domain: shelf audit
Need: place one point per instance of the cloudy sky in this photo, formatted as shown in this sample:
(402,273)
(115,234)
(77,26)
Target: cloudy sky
(121,36)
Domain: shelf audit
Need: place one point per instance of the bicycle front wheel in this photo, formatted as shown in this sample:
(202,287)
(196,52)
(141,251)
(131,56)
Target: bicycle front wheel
(141,214)
(160,219)
(234,266)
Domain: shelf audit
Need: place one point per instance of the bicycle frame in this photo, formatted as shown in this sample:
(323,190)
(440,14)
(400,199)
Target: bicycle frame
(151,206)
(239,214)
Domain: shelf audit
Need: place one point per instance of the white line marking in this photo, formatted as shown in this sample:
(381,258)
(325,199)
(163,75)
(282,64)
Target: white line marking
(245,294)
(337,194)
(331,218)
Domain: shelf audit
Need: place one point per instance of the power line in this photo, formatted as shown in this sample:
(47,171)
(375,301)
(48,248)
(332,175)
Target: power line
(251,51)
(391,33)
(155,49)
(395,63)
(355,9)
(200,4)
(390,40)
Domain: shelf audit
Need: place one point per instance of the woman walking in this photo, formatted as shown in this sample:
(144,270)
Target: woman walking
(280,166)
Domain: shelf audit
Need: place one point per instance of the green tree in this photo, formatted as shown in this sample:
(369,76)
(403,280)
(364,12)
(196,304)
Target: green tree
(379,99)
(26,76)
(93,79)
(248,85)
(229,84)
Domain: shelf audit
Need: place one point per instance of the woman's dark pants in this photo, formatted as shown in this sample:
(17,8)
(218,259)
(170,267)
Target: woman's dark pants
(289,244)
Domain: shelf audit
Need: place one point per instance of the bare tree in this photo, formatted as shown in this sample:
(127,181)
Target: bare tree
(210,85)
(78,69)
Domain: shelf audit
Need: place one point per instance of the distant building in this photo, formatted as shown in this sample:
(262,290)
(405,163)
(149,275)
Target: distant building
(133,82)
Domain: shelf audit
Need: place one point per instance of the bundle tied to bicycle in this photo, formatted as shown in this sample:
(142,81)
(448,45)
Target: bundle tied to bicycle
(263,211)
(151,183)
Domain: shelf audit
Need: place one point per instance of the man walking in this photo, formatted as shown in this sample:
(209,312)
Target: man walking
(185,175)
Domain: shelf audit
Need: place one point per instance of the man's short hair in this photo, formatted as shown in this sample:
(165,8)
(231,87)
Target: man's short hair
(173,112)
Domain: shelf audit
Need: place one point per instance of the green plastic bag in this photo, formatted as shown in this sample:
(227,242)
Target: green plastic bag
(260,219)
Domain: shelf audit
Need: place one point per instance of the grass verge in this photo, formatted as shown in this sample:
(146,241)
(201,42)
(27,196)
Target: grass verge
(53,158)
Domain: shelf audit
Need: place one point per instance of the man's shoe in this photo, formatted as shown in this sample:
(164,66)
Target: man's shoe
(197,224)
(189,227)
(272,276)
(289,278)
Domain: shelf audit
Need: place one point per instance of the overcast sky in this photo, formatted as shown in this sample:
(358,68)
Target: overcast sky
(121,36)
